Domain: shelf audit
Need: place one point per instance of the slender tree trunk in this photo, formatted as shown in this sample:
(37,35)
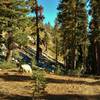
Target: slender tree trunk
(56,52)
(93,58)
(38,37)
(46,47)
(75,58)
(97,57)
(95,51)
(65,59)
(85,55)
(72,58)
(9,46)
(9,55)
(37,47)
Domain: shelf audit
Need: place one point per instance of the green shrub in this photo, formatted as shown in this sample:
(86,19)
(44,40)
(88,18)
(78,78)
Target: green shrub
(59,70)
(40,82)
(7,65)
(21,38)
(78,71)
(33,62)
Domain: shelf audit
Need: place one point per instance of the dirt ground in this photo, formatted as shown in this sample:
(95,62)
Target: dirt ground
(16,86)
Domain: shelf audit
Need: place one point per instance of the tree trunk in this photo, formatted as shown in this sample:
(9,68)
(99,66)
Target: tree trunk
(65,62)
(72,58)
(97,57)
(9,55)
(94,69)
(9,46)
(85,53)
(45,42)
(75,58)
(65,59)
(38,37)
(56,52)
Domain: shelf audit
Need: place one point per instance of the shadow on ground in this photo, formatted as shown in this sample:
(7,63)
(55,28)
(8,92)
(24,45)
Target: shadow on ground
(73,97)
(23,78)
(51,97)
(14,97)
(44,60)
(18,78)
(52,80)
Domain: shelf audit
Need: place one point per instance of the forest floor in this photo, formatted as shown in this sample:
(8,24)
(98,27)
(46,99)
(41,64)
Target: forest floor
(16,86)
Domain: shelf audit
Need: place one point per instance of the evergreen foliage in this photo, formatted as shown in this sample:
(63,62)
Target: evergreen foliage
(73,23)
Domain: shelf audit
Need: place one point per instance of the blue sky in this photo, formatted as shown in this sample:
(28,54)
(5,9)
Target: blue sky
(50,11)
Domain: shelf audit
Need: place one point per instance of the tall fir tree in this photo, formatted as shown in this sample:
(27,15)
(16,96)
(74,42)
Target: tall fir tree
(95,35)
(73,21)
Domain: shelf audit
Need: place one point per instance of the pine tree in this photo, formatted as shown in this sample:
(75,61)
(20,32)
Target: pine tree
(56,42)
(12,17)
(72,19)
(82,31)
(95,35)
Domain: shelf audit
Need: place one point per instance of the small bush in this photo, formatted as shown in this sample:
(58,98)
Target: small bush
(40,82)
(59,70)
(78,71)
(7,65)
(33,62)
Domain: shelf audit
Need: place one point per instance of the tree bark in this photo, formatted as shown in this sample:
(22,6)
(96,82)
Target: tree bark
(37,33)
(65,59)
(56,53)
(97,57)
(9,46)
(75,58)
(84,54)
(9,55)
